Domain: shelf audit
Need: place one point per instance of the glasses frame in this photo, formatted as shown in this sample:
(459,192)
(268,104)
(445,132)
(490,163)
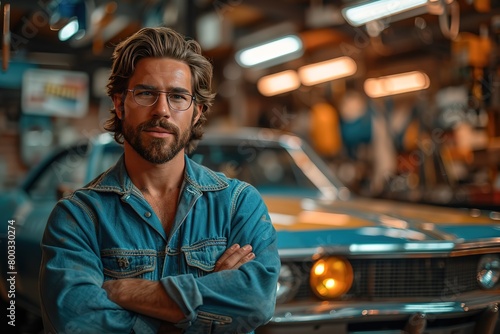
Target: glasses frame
(167,94)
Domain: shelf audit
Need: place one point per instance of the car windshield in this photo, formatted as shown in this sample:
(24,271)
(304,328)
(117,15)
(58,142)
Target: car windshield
(70,168)
(272,169)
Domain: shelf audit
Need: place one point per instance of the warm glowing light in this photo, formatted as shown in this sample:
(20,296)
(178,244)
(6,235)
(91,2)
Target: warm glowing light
(319,269)
(278,83)
(329,283)
(287,46)
(396,84)
(362,13)
(327,70)
(331,277)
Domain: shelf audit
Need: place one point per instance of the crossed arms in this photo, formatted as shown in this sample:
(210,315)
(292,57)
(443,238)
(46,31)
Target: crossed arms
(236,296)
(150,298)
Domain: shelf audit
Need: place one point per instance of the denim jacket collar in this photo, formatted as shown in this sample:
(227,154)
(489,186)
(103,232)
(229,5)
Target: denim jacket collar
(116,179)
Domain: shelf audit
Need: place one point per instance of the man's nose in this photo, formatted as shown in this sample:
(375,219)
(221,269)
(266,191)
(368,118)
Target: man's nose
(162,106)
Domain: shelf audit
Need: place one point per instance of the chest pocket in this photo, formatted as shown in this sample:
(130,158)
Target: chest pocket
(201,256)
(123,263)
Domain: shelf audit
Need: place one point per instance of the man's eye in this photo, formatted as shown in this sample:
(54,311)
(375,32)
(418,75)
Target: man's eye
(178,97)
(145,93)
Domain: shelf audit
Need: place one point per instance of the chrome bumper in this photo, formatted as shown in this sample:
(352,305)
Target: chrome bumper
(335,315)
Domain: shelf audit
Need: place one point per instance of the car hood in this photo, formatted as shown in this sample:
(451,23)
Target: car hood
(306,223)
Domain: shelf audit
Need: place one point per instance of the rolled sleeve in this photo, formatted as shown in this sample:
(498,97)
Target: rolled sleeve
(184,292)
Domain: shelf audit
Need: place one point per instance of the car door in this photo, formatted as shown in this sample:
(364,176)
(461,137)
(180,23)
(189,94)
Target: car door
(61,171)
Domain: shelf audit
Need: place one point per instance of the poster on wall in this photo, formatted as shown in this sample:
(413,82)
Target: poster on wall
(55,93)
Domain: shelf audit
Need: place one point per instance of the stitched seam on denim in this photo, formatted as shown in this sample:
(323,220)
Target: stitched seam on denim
(198,264)
(189,250)
(137,192)
(213,316)
(129,273)
(131,252)
(215,187)
(150,257)
(96,184)
(115,189)
(193,190)
(85,208)
(242,186)
(220,183)
(205,243)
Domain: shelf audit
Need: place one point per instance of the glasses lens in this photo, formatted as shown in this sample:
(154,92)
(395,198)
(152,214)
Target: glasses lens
(179,101)
(145,97)
(176,101)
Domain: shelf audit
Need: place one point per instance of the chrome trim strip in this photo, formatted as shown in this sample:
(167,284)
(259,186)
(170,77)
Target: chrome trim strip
(353,312)
(408,250)
(299,252)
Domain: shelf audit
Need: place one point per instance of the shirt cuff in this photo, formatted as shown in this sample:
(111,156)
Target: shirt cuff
(184,291)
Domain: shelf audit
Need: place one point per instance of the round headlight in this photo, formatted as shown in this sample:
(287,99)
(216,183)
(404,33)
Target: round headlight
(488,271)
(331,277)
(288,282)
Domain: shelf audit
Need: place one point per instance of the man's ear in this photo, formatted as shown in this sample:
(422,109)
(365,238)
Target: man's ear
(198,111)
(118,104)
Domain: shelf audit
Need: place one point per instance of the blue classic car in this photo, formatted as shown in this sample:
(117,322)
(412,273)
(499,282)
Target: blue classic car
(349,265)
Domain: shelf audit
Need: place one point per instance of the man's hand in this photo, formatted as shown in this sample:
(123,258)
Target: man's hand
(234,257)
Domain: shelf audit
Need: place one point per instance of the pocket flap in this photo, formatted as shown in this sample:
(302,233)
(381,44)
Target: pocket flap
(122,263)
(203,254)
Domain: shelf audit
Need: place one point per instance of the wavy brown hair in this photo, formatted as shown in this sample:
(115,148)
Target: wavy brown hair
(160,42)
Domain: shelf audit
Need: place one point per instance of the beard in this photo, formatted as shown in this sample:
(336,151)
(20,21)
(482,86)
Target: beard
(155,150)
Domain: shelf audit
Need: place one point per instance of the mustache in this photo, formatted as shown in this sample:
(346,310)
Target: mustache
(159,124)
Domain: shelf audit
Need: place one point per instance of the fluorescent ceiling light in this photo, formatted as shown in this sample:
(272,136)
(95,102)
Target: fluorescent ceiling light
(396,84)
(282,49)
(327,70)
(278,83)
(69,30)
(373,10)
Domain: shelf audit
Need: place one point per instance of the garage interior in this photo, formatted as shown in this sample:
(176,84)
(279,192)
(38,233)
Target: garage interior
(438,143)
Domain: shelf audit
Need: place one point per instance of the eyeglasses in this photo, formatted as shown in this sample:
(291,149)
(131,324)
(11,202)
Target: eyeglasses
(148,97)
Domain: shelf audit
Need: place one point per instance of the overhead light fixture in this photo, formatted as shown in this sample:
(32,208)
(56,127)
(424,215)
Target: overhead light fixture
(273,52)
(278,83)
(73,14)
(396,84)
(327,70)
(373,10)
(69,30)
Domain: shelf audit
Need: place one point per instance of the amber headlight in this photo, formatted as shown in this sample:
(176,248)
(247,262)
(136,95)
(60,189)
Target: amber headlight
(488,271)
(288,282)
(331,277)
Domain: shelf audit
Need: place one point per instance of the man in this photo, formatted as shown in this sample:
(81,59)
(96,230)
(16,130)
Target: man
(159,243)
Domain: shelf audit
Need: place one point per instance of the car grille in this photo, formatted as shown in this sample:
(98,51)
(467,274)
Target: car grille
(401,278)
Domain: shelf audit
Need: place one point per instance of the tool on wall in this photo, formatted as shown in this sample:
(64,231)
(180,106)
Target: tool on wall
(6,37)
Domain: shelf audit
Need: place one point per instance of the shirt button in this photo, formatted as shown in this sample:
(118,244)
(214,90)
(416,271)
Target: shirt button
(147,214)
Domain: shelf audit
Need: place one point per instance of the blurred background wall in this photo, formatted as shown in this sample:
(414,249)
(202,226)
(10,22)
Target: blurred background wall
(404,105)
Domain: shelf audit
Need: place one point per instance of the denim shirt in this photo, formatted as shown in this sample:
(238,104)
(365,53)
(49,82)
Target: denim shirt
(107,230)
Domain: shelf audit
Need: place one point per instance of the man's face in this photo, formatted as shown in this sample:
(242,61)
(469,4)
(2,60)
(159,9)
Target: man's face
(157,133)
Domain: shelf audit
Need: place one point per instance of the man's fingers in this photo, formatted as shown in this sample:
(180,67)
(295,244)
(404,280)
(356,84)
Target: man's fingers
(247,258)
(234,257)
(230,251)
